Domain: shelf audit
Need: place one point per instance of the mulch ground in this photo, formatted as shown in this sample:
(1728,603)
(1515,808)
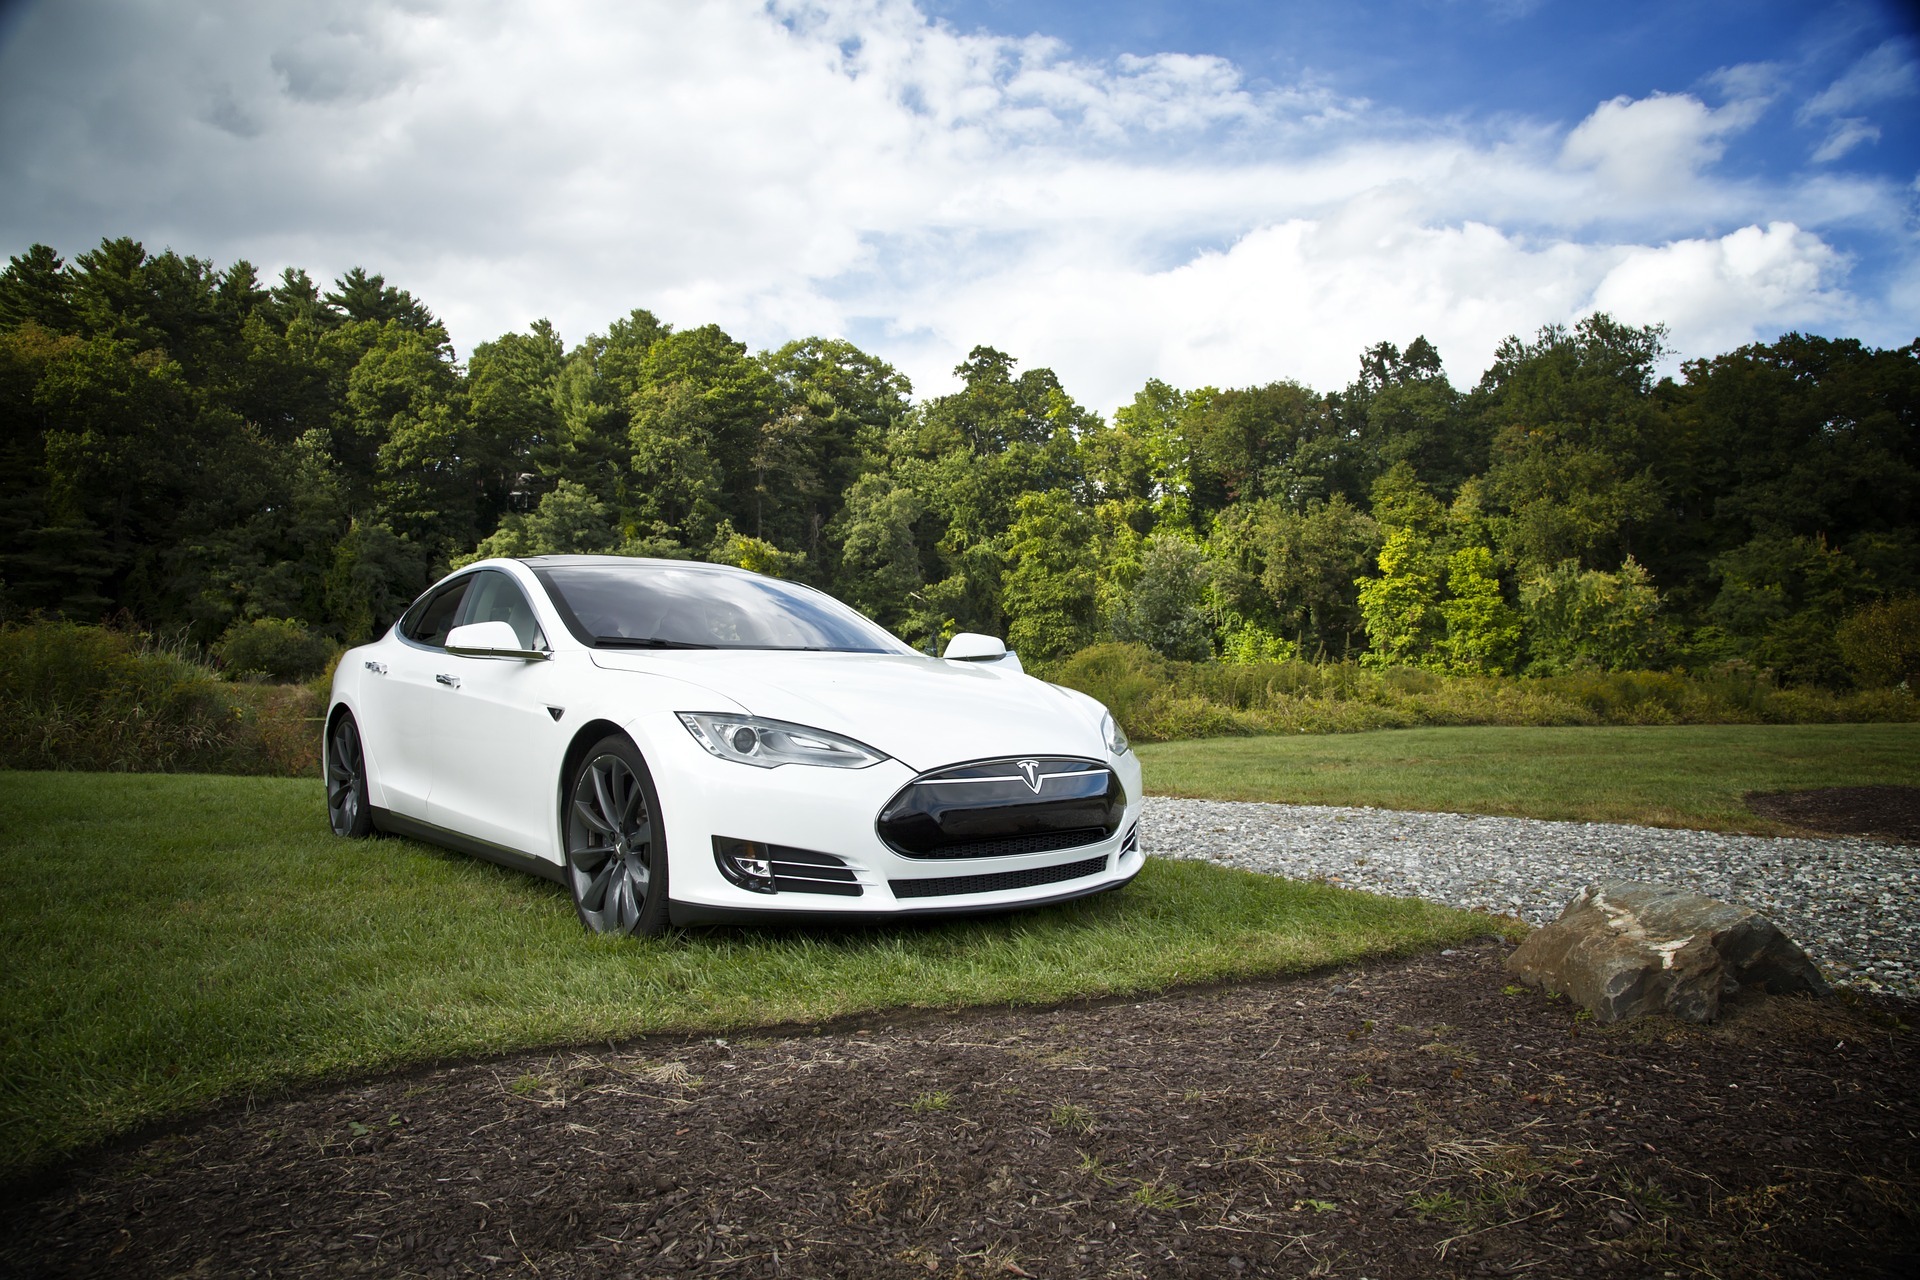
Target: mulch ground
(1885,813)
(1410,1118)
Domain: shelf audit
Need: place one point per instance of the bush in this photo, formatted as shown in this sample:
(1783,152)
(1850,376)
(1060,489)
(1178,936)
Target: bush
(1881,643)
(276,649)
(1156,699)
(74,697)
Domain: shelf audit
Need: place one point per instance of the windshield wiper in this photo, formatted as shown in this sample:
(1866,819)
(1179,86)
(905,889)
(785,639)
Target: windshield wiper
(645,642)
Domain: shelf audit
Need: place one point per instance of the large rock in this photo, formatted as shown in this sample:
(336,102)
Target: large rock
(1623,949)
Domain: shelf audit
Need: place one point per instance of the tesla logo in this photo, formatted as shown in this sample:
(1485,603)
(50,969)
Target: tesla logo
(1030,770)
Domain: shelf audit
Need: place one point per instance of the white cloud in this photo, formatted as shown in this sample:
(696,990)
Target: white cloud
(1847,133)
(1716,294)
(1888,72)
(1653,143)
(849,166)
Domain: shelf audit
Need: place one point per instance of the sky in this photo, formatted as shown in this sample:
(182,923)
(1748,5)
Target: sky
(1204,192)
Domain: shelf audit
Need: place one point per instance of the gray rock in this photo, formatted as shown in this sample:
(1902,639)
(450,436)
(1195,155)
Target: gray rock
(1623,949)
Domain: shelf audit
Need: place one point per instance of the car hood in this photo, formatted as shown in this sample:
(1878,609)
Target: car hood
(924,712)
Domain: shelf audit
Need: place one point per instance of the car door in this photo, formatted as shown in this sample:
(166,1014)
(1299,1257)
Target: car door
(497,743)
(400,728)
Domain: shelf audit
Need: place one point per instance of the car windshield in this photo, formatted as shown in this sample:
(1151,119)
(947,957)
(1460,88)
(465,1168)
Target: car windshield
(653,606)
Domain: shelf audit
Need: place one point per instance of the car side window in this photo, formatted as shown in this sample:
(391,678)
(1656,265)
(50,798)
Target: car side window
(497,598)
(429,621)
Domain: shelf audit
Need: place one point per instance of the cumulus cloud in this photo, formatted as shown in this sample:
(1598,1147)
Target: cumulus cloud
(850,166)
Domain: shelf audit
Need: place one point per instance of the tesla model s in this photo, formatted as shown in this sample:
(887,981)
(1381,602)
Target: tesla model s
(680,743)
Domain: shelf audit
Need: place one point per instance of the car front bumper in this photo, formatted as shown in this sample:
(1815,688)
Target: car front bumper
(833,812)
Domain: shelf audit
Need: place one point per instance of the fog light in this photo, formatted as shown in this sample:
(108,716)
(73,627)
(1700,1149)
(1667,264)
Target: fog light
(744,863)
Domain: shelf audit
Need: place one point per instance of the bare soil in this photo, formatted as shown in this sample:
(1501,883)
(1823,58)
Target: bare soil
(1411,1118)
(1884,813)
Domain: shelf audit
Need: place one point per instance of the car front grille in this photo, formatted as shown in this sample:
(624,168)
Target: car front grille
(999,808)
(947,886)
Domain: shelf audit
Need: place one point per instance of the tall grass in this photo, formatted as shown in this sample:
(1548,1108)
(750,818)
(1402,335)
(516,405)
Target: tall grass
(1158,700)
(77,697)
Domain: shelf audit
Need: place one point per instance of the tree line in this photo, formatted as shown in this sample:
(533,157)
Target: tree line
(196,448)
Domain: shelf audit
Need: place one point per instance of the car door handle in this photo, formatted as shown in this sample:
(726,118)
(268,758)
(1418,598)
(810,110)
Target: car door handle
(452,682)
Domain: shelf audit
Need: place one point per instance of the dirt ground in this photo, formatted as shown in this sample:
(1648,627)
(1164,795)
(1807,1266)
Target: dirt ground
(1885,813)
(1417,1117)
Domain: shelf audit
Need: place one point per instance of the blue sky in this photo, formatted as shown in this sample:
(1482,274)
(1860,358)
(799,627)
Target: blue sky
(1204,192)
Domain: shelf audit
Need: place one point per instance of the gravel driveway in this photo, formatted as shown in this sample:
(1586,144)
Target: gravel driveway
(1854,905)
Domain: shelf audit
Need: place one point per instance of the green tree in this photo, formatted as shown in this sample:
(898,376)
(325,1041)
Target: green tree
(1781,602)
(1590,618)
(1577,465)
(880,554)
(1311,560)
(36,287)
(1482,630)
(1167,607)
(1050,588)
(1401,606)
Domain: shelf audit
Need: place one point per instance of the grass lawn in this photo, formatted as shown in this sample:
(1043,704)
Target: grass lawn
(1667,776)
(170,940)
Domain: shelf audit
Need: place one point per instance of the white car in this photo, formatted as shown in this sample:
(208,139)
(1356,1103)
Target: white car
(682,743)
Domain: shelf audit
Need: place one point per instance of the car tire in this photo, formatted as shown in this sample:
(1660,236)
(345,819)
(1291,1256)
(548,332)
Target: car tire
(616,850)
(349,811)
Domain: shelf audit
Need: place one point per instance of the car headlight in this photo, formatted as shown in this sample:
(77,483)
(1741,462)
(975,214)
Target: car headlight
(1116,740)
(768,744)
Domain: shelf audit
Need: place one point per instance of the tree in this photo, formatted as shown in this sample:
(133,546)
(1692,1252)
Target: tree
(1401,409)
(512,389)
(1482,632)
(1401,607)
(1577,467)
(1590,618)
(880,555)
(1311,562)
(1049,592)
(37,288)
(569,521)
(362,297)
(1781,601)
(1166,610)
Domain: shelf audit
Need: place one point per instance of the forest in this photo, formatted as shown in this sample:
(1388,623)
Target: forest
(194,450)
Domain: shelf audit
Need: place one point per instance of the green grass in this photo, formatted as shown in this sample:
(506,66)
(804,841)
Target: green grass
(171,940)
(1669,776)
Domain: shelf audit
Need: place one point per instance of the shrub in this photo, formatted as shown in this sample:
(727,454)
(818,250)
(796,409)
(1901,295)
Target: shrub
(74,697)
(1880,643)
(276,649)
(1156,699)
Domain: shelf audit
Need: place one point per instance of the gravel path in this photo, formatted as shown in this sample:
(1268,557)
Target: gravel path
(1854,905)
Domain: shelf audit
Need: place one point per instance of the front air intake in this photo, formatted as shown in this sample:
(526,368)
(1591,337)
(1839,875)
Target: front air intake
(776,868)
(947,886)
(1002,808)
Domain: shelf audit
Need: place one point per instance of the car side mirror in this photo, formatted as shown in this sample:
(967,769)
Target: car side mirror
(491,640)
(971,646)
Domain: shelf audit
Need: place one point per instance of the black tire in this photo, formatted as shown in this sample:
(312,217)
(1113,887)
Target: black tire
(348,811)
(616,851)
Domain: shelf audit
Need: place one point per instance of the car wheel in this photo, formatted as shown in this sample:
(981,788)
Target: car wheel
(348,812)
(616,852)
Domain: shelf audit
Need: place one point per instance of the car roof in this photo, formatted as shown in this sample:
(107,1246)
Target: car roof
(602,562)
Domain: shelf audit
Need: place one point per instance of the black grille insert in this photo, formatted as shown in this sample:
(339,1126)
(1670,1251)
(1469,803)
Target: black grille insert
(945,886)
(992,808)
